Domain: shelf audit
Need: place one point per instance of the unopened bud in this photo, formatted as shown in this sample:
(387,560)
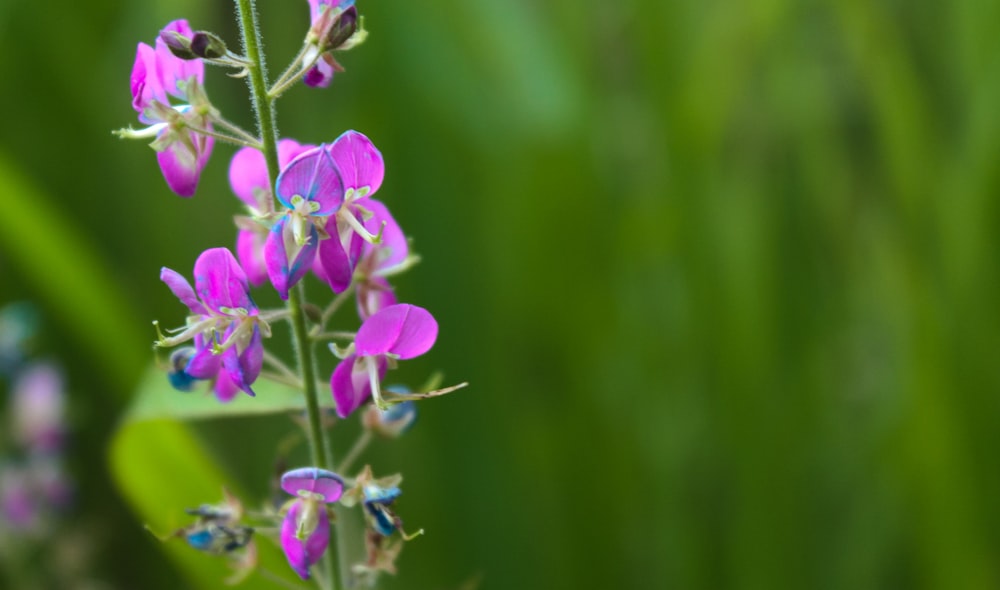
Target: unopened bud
(208,45)
(178,44)
(343,29)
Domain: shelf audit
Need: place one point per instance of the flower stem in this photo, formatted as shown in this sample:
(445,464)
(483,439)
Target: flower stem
(264,109)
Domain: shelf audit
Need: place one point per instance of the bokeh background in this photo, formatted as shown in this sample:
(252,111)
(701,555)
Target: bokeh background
(723,276)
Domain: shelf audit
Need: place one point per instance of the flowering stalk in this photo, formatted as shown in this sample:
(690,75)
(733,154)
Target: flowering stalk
(264,110)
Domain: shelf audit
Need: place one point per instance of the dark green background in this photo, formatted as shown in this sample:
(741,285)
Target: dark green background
(723,276)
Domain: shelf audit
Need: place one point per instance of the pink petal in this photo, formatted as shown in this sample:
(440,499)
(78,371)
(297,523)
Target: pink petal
(374,295)
(321,74)
(220,282)
(248,174)
(224,387)
(250,251)
(335,263)
(313,480)
(359,161)
(394,248)
(313,175)
(302,555)
(280,244)
(181,288)
(404,330)
(351,384)
(204,364)
(145,82)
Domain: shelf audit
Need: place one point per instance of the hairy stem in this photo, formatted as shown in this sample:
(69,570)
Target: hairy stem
(264,110)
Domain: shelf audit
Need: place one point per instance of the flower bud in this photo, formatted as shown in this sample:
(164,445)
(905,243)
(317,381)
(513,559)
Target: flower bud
(208,45)
(343,28)
(201,44)
(178,44)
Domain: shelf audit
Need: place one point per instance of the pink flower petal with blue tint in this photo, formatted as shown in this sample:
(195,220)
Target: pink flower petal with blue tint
(359,161)
(404,330)
(313,175)
(181,288)
(248,170)
(351,384)
(284,274)
(314,480)
(220,282)
(302,555)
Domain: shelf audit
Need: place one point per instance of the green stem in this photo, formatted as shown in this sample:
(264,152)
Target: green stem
(264,109)
(262,105)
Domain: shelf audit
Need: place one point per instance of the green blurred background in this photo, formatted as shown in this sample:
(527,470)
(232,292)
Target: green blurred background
(722,275)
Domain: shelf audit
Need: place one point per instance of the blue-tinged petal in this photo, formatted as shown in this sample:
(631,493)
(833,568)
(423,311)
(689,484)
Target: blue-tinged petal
(313,480)
(313,175)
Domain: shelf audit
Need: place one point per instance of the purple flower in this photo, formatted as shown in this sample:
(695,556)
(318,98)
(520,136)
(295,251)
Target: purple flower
(359,220)
(157,77)
(400,331)
(224,324)
(310,187)
(249,181)
(305,530)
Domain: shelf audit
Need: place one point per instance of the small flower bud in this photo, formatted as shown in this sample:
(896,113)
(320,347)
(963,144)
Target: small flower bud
(208,45)
(343,28)
(178,44)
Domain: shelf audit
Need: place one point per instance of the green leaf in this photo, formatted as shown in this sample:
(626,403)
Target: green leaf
(156,398)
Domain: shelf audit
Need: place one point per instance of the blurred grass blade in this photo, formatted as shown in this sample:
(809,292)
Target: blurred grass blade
(62,266)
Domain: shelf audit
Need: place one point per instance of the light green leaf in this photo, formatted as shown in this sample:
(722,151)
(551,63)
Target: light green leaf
(156,398)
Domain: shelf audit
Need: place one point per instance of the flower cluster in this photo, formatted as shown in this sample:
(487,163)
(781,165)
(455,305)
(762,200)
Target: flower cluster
(316,216)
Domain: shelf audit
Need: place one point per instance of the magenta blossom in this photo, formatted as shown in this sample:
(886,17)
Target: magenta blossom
(248,179)
(38,409)
(310,187)
(400,331)
(224,322)
(157,77)
(305,530)
(355,224)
